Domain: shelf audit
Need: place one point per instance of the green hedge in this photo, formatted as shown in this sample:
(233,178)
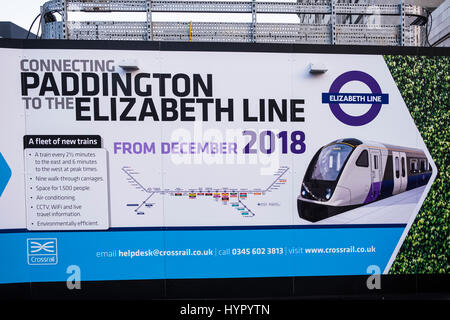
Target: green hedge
(424,85)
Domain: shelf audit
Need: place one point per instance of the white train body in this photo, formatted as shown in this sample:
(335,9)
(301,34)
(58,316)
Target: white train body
(348,173)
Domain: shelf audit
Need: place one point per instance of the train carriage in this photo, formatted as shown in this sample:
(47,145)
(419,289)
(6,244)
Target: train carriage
(349,173)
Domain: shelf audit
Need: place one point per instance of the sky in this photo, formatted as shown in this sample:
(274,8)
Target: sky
(22,13)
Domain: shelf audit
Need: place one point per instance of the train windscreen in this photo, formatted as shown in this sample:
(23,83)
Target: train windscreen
(330,162)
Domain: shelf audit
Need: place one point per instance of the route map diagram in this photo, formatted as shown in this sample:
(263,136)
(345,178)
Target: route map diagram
(227,196)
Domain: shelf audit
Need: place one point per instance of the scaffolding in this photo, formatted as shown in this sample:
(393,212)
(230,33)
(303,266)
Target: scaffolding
(350,22)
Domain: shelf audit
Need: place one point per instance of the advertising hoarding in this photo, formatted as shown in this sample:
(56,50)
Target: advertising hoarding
(190,164)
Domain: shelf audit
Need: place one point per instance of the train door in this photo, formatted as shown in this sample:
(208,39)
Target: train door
(403,172)
(400,175)
(375,172)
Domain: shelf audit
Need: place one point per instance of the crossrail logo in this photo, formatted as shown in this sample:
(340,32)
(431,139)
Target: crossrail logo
(42,251)
(335,98)
(5,174)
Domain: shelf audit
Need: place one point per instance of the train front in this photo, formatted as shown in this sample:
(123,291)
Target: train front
(320,195)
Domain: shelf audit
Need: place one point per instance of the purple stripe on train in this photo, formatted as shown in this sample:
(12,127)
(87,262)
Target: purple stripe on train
(374,192)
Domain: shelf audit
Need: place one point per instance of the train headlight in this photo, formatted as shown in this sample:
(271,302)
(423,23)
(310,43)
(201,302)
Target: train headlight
(303,192)
(328,194)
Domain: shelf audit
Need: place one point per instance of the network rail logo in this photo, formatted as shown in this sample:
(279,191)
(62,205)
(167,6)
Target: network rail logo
(335,98)
(42,251)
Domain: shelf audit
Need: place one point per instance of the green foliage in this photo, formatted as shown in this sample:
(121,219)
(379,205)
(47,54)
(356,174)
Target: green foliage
(424,85)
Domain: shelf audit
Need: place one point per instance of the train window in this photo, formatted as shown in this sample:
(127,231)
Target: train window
(403,167)
(375,162)
(422,165)
(330,162)
(413,166)
(363,159)
(397,170)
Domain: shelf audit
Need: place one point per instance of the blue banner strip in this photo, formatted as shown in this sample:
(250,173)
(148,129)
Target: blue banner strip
(130,255)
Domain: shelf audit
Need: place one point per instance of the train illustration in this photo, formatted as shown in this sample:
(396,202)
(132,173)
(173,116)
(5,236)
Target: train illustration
(349,173)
